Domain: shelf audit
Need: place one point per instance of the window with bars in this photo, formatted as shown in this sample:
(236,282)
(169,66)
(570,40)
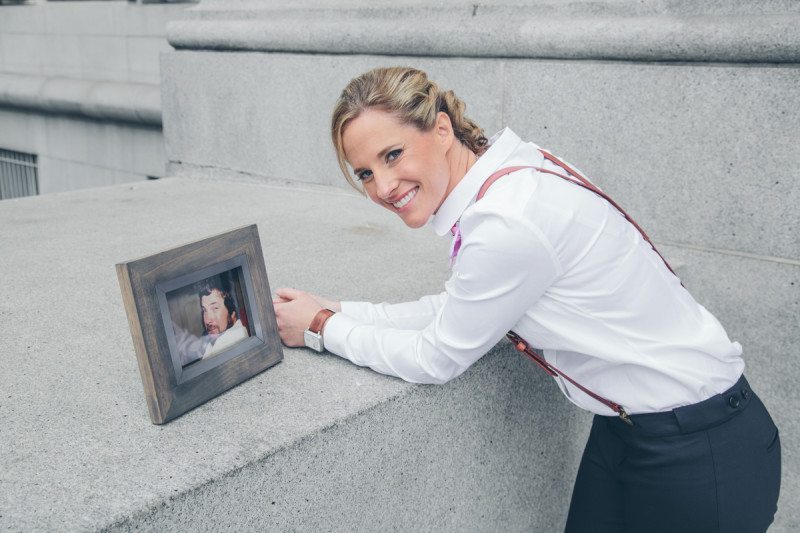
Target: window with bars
(18,175)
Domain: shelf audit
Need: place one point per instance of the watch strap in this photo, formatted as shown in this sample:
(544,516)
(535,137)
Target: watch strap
(319,320)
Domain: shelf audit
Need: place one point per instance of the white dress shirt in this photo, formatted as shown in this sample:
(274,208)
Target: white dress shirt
(562,268)
(234,334)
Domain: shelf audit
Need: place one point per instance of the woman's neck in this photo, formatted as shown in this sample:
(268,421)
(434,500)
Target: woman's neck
(461,161)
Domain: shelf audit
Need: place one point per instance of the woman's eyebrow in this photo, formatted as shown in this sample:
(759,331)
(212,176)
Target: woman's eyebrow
(385,151)
(380,155)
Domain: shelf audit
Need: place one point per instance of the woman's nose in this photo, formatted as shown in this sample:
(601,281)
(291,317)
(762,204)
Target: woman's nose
(385,184)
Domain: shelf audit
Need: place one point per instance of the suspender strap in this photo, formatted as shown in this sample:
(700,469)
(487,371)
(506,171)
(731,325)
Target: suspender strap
(521,345)
(576,178)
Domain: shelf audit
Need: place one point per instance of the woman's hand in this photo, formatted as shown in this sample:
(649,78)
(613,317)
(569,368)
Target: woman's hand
(295,310)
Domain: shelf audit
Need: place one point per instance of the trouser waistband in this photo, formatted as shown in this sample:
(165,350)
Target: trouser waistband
(698,416)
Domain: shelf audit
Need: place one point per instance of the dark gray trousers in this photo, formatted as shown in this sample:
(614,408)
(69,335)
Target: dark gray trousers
(714,466)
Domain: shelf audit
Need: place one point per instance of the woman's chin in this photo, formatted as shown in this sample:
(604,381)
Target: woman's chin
(411,214)
(413,220)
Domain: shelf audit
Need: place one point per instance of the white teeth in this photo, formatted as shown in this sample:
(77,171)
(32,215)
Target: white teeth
(405,199)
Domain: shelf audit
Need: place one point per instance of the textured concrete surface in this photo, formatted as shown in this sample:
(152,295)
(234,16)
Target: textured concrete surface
(714,144)
(332,445)
(703,153)
(732,30)
(472,456)
(274,120)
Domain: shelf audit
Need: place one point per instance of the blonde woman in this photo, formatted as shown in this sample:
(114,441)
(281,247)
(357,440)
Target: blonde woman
(679,441)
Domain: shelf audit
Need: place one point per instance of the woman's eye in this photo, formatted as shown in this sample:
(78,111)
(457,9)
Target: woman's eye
(394,154)
(364,175)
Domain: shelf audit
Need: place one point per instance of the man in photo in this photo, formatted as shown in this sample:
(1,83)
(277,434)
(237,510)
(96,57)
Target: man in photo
(222,327)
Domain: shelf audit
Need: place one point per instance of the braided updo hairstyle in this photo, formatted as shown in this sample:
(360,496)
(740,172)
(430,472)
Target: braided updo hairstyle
(408,94)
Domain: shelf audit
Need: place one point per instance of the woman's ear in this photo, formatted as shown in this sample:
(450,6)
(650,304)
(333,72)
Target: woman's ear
(443,128)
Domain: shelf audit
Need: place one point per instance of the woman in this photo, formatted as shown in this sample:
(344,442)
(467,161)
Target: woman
(679,442)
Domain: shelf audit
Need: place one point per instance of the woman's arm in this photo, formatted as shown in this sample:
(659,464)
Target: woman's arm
(406,315)
(504,267)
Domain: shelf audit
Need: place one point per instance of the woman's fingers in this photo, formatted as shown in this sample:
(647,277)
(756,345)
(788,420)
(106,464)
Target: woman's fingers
(288,293)
(287,328)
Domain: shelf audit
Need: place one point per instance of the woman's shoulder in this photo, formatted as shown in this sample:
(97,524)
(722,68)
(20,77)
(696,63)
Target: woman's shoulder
(529,191)
(531,204)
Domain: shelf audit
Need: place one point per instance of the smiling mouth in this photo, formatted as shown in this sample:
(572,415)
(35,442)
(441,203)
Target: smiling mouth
(399,204)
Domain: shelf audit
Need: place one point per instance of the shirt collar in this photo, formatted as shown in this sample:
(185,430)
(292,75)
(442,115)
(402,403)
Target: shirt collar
(501,146)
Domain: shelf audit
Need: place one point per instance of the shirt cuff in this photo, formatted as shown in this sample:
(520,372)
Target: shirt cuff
(337,328)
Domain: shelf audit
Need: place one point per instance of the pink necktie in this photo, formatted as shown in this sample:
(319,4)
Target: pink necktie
(456,243)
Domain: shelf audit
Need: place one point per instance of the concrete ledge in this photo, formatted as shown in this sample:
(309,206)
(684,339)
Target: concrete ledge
(313,443)
(404,465)
(521,32)
(122,101)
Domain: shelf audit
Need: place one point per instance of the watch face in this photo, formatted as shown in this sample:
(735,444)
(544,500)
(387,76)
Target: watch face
(313,340)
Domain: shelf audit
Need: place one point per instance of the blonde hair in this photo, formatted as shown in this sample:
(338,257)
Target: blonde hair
(408,94)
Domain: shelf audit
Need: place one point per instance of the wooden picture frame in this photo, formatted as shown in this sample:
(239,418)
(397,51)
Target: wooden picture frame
(201,319)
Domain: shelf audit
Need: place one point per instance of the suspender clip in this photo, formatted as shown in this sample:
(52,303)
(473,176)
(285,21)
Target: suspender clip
(624,416)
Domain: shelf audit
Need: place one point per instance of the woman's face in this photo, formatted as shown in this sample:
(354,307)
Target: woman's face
(405,170)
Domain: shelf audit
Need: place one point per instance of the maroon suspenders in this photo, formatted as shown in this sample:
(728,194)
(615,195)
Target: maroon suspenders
(520,343)
(575,178)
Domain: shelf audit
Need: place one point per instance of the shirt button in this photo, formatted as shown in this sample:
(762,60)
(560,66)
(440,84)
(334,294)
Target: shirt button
(733,401)
(745,393)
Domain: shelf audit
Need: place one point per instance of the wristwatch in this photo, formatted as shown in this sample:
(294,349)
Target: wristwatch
(313,335)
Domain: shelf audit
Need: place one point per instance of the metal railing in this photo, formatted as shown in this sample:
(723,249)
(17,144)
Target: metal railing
(18,174)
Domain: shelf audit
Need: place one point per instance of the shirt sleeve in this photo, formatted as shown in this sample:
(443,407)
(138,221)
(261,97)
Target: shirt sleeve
(408,315)
(505,264)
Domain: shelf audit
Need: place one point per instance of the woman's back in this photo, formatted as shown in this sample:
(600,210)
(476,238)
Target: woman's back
(613,297)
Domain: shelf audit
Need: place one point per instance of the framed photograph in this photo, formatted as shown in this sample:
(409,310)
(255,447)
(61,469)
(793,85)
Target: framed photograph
(201,318)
